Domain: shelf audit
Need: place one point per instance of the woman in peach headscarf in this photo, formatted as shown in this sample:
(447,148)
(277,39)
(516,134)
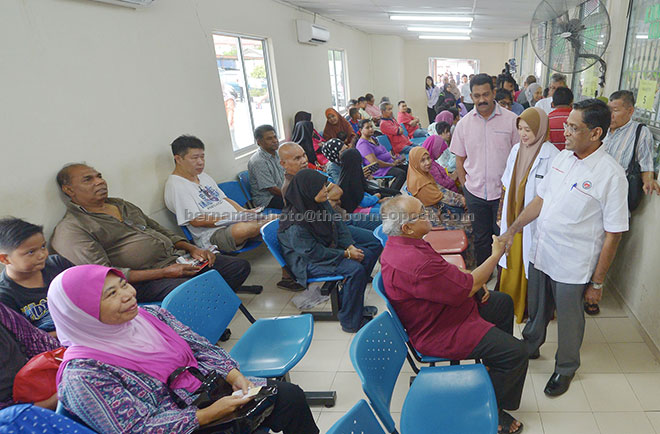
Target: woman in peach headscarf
(527,165)
(338,128)
(423,186)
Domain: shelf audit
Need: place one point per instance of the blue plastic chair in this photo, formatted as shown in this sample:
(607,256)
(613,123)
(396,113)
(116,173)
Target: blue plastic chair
(377,353)
(378,286)
(384,141)
(244,180)
(380,235)
(234,192)
(269,235)
(358,420)
(451,399)
(66,413)
(269,348)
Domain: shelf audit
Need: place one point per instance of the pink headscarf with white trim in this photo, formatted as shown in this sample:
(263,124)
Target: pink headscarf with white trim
(144,344)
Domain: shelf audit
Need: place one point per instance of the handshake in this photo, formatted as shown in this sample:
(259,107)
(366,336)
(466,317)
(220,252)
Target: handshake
(502,244)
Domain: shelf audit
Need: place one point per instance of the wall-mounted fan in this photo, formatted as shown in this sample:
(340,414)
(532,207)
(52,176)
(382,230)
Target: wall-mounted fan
(570,36)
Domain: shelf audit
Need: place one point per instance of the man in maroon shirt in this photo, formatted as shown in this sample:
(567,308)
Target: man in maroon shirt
(446,310)
(562,100)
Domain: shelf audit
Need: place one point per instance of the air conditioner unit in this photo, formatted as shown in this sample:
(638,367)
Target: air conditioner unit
(309,33)
(128,3)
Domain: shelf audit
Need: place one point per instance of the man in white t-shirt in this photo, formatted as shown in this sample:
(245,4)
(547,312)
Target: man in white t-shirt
(464,87)
(581,211)
(557,80)
(199,203)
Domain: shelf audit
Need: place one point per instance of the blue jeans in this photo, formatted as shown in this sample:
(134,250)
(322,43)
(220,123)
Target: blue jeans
(356,274)
(419,133)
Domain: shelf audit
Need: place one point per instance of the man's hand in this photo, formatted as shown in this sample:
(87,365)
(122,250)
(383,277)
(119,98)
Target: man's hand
(507,239)
(203,255)
(486,295)
(175,271)
(499,246)
(650,185)
(592,295)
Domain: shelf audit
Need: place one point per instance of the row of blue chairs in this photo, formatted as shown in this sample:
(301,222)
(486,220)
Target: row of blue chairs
(447,399)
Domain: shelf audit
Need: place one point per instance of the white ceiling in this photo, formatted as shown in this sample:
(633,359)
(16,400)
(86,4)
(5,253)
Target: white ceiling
(494,20)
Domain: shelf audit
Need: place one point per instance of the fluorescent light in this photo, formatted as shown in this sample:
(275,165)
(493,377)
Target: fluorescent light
(438,30)
(431,18)
(642,36)
(449,37)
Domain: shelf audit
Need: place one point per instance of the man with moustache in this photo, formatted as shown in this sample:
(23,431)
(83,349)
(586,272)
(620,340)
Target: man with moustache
(581,211)
(481,142)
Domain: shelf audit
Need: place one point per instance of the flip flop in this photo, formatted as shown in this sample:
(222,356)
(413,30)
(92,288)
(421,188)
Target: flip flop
(591,309)
(505,422)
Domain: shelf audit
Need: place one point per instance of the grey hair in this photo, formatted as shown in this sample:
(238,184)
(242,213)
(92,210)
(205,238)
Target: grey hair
(394,215)
(383,105)
(64,175)
(557,77)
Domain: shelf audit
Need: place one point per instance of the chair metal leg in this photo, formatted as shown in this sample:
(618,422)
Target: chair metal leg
(326,399)
(247,313)
(412,364)
(333,292)
(412,378)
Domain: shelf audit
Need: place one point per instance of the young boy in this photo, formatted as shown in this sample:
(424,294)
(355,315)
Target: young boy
(28,271)
(354,120)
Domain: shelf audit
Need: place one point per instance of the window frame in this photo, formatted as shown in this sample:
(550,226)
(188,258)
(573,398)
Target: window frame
(344,79)
(250,149)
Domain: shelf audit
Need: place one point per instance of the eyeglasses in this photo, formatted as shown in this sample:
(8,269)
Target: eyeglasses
(571,129)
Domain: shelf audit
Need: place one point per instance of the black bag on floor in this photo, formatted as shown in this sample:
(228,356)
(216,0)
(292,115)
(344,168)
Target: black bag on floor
(244,420)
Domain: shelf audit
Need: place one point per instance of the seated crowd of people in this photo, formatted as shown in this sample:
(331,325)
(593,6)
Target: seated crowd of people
(531,180)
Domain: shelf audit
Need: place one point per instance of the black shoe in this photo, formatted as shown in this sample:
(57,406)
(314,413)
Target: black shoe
(535,355)
(250,289)
(364,320)
(557,384)
(290,285)
(225,335)
(371,311)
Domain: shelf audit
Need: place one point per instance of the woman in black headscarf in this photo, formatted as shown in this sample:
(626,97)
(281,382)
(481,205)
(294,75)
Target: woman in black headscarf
(306,136)
(354,184)
(315,243)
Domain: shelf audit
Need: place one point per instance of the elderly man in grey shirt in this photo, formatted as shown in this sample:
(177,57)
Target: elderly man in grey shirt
(98,229)
(266,173)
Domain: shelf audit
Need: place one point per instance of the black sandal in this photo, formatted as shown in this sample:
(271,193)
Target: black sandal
(505,422)
(591,309)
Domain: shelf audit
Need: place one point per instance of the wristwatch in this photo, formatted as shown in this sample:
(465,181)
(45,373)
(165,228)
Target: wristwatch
(596,285)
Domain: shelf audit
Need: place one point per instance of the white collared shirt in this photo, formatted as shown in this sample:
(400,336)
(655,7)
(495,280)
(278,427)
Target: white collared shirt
(582,199)
(537,173)
(545,104)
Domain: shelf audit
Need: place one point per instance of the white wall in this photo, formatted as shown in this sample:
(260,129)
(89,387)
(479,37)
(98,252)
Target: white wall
(491,56)
(113,86)
(387,54)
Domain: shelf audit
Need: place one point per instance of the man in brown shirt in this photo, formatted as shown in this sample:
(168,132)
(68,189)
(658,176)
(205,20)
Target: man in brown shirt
(107,231)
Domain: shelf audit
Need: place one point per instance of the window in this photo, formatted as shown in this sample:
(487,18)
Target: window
(453,68)
(641,64)
(246,86)
(337,79)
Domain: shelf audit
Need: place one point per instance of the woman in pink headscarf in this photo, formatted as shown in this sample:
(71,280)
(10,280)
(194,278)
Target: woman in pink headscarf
(436,145)
(115,372)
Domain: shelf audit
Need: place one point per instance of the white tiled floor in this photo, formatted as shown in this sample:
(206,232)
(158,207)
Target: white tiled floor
(616,390)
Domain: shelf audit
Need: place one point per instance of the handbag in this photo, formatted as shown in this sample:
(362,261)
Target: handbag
(243,420)
(36,380)
(634,176)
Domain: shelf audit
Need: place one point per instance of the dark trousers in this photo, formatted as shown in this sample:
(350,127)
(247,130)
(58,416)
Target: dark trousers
(233,270)
(400,173)
(276,202)
(484,225)
(356,275)
(291,414)
(363,221)
(431,112)
(505,356)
